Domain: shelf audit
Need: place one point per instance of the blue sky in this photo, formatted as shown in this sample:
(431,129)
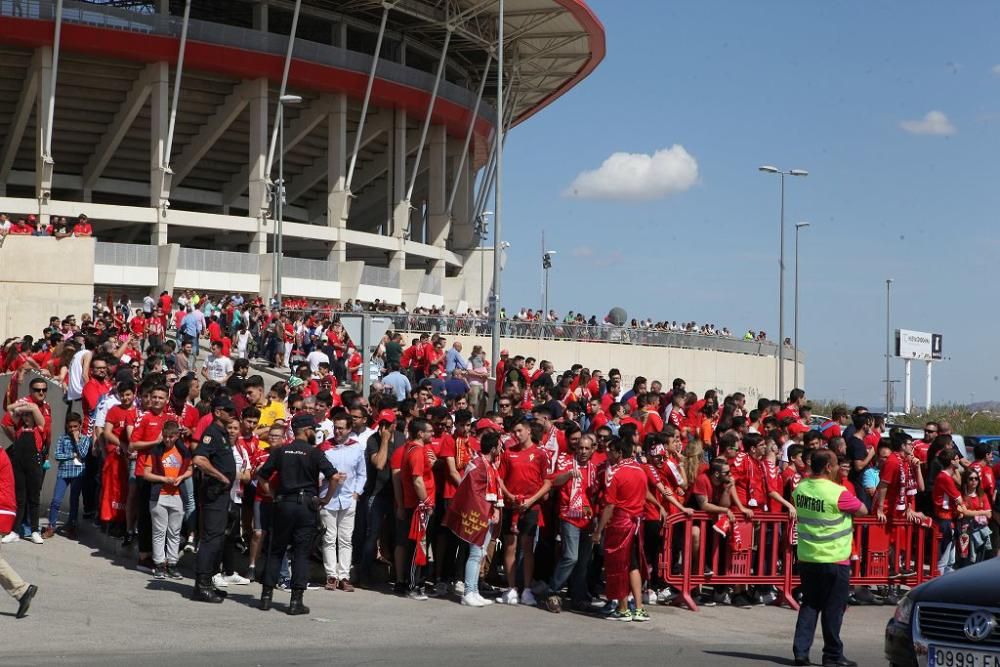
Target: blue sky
(825,87)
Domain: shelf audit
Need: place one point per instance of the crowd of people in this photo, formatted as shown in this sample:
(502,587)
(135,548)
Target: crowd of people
(555,495)
(58,226)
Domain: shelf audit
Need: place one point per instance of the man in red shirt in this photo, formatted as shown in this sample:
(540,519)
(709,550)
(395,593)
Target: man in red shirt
(93,391)
(82,227)
(625,499)
(523,470)
(114,488)
(650,416)
(921,446)
(553,440)
(576,478)
(417,486)
(146,434)
(947,499)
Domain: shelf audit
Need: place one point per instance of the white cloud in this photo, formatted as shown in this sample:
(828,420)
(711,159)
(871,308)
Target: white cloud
(583,251)
(933,123)
(637,176)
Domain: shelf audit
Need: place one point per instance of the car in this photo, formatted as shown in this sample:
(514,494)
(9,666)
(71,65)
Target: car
(992,440)
(964,447)
(949,621)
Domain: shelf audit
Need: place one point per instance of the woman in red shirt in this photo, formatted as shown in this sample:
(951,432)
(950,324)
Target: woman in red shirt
(972,531)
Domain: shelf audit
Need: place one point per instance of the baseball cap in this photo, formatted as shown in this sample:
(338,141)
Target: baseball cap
(484,423)
(386,417)
(303,421)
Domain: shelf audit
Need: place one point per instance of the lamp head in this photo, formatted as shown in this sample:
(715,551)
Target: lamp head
(769,169)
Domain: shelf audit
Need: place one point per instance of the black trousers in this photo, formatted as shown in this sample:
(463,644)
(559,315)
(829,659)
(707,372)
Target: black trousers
(144,522)
(233,528)
(27,481)
(294,524)
(92,481)
(214,517)
(825,587)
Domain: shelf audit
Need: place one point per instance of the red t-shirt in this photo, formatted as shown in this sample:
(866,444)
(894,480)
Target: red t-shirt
(650,511)
(652,424)
(987,480)
(396,460)
(462,450)
(703,487)
(416,464)
(93,392)
(627,490)
(945,496)
(214,332)
(121,418)
(149,426)
(137,325)
(83,229)
(523,471)
(894,474)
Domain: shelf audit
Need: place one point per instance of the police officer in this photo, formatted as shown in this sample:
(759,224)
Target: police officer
(826,533)
(296,507)
(214,458)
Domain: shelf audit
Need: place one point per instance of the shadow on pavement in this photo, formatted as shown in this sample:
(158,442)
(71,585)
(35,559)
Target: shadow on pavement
(757,657)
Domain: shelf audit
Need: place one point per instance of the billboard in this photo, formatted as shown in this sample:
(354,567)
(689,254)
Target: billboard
(917,344)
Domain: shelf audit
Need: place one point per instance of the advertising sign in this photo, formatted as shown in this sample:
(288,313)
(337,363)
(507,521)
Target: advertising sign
(917,344)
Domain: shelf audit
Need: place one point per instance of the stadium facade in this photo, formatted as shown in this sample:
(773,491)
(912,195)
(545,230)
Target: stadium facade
(174,153)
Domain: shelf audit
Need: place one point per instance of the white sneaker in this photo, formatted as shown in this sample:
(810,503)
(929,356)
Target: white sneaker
(649,597)
(472,600)
(482,599)
(236,579)
(219,581)
(528,598)
(458,588)
(10,538)
(36,538)
(510,597)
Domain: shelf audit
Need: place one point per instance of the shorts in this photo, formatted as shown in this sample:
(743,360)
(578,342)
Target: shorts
(262,514)
(527,523)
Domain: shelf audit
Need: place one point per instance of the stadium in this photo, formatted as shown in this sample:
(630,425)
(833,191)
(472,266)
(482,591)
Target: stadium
(162,125)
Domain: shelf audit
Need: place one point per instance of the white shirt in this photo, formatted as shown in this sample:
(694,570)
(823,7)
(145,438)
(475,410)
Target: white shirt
(74,390)
(236,493)
(218,368)
(315,358)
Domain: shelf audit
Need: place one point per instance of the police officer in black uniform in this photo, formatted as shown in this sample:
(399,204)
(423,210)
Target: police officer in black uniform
(214,458)
(296,507)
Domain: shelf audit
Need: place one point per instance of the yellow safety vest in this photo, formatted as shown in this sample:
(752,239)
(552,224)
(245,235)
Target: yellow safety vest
(825,532)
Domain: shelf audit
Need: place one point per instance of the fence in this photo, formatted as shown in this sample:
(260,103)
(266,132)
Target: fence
(125,254)
(311,269)
(196,259)
(379,276)
(707,550)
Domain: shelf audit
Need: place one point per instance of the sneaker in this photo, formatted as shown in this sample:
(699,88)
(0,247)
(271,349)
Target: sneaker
(310,586)
(219,581)
(10,538)
(667,595)
(472,600)
(510,597)
(439,590)
(703,600)
(458,588)
(640,616)
(742,601)
(528,598)
(145,565)
(649,597)
(623,616)
(284,585)
(236,580)
(160,572)
(417,594)
(36,538)
(173,572)
(482,599)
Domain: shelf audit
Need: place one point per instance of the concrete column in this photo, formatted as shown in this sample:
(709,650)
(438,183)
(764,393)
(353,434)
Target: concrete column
(43,168)
(397,167)
(338,202)
(438,224)
(260,16)
(461,211)
(257,163)
(159,181)
(163,7)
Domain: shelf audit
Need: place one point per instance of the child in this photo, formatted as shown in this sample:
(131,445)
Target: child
(165,466)
(71,451)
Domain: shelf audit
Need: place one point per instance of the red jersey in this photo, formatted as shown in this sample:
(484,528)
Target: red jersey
(148,426)
(945,496)
(416,463)
(137,325)
(650,511)
(523,470)
(987,480)
(120,419)
(627,489)
(896,474)
(93,392)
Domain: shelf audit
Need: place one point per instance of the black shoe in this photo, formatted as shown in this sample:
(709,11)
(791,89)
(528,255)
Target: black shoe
(802,661)
(295,606)
(205,592)
(25,601)
(173,573)
(128,539)
(863,596)
(743,601)
(252,573)
(265,598)
(842,662)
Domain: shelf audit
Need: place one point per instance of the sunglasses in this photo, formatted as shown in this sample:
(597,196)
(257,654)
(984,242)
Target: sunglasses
(40,390)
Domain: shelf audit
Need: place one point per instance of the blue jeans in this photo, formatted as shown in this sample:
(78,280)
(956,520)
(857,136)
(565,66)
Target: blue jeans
(473,563)
(577,548)
(75,486)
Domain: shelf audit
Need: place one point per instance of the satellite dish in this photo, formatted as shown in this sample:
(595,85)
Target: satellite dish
(617,316)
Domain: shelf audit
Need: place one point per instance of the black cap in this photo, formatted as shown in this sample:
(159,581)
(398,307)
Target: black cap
(224,403)
(303,421)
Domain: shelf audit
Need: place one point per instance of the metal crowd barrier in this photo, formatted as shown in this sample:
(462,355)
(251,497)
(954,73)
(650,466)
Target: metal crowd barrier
(761,552)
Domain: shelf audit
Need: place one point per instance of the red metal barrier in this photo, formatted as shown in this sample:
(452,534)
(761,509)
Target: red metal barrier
(759,552)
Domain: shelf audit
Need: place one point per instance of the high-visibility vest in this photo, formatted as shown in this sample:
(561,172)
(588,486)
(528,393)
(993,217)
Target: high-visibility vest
(825,532)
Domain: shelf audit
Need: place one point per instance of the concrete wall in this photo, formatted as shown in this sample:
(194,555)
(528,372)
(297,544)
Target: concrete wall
(41,277)
(728,372)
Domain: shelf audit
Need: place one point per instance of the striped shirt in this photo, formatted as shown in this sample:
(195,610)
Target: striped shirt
(70,460)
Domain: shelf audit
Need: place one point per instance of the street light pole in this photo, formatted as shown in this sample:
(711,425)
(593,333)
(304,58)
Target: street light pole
(546,265)
(498,197)
(799,226)
(769,169)
(888,341)
(279,240)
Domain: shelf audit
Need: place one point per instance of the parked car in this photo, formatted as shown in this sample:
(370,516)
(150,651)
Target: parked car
(950,621)
(992,440)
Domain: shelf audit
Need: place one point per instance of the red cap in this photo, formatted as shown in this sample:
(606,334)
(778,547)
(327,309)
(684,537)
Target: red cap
(386,417)
(797,428)
(487,424)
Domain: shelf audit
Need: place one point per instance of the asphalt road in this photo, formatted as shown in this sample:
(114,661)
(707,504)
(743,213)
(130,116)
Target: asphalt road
(92,609)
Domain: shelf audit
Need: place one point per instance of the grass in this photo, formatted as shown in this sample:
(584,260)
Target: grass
(963,421)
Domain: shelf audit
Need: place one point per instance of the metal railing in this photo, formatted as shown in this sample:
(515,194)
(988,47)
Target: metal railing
(412,323)
(311,269)
(115,18)
(379,276)
(196,259)
(125,254)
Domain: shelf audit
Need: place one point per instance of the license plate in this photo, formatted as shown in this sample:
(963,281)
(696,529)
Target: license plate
(939,656)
